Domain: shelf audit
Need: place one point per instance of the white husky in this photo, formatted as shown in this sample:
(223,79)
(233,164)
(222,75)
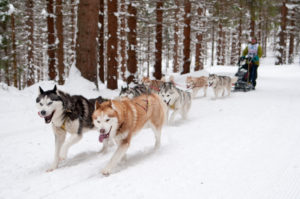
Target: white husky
(220,83)
(177,100)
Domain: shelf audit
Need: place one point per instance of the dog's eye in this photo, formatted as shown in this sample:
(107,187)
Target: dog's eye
(41,104)
(98,121)
(107,120)
(49,103)
(168,95)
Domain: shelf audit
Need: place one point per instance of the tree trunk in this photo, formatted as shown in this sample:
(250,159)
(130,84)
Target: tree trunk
(199,46)
(73,30)
(234,54)
(292,37)
(101,41)
(213,44)
(176,38)
(132,59)
(281,56)
(60,46)
(112,45)
(252,19)
(123,39)
(86,48)
(187,37)
(219,45)
(14,50)
(51,41)
(158,43)
(30,46)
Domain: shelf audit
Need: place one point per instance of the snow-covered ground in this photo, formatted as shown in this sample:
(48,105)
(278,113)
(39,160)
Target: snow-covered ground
(244,146)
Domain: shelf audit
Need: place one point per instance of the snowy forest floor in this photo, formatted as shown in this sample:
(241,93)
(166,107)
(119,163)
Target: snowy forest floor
(243,146)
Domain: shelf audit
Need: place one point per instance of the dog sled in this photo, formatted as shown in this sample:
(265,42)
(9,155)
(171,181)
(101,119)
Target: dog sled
(243,84)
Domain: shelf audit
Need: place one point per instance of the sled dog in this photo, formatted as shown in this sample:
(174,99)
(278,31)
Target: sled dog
(176,99)
(153,84)
(132,92)
(66,113)
(120,120)
(197,83)
(220,83)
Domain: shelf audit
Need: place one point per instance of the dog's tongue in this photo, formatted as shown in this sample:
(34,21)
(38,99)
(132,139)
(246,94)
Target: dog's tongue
(102,137)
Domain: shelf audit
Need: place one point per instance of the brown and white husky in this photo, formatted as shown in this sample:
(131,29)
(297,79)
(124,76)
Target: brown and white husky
(120,120)
(197,83)
(153,84)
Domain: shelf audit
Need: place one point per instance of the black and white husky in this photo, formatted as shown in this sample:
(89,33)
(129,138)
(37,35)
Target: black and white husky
(136,90)
(67,113)
(176,99)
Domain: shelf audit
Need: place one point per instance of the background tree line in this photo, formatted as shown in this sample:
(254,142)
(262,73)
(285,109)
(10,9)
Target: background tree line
(123,39)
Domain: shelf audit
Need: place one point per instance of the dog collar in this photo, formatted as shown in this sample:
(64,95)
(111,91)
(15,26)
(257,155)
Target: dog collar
(172,106)
(63,126)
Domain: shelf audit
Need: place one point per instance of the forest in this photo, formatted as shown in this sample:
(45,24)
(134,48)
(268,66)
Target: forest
(107,41)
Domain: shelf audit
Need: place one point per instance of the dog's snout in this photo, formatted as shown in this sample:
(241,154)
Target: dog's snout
(43,112)
(102,130)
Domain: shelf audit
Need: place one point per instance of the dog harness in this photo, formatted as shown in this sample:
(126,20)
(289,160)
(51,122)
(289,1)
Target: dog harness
(147,105)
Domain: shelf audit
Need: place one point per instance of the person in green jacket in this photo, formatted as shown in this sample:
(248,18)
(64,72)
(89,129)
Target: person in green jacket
(254,52)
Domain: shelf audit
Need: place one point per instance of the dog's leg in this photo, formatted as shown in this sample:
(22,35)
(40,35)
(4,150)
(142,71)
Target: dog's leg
(172,117)
(157,134)
(223,92)
(60,136)
(216,94)
(204,90)
(229,90)
(74,138)
(106,144)
(118,155)
(195,91)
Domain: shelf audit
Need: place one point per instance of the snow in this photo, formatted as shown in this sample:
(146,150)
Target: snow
(242,146)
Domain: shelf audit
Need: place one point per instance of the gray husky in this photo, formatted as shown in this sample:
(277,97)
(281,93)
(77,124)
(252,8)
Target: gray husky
(220,83)
(67,113)
(136,90)
(176,99)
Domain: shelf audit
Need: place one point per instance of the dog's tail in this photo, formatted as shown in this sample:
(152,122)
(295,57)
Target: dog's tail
(234,80)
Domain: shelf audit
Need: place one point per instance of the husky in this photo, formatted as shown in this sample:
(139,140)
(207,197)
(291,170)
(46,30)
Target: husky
(220,83)
(176,99)
(196,83)
(66,113)
(120,120)
(154,84)
(132,92)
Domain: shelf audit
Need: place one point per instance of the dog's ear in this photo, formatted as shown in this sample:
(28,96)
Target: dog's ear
(97,105)
(54,89)
(41,91)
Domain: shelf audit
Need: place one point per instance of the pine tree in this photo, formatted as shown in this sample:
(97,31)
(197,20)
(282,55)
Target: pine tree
(112,45)
(158,43)
(132,43)
(86,54)
(187,37)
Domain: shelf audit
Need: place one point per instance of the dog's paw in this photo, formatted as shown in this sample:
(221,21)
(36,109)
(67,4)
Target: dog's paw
(106,172)
(51,169)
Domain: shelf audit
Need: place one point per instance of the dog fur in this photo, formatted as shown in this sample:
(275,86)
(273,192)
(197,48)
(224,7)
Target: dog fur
(197,83)
(120,120)
(176,99)
(132,92)
(66,113)
(153,84)
(220,83)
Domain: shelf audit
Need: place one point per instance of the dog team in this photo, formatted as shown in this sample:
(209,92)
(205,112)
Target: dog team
(148,103)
